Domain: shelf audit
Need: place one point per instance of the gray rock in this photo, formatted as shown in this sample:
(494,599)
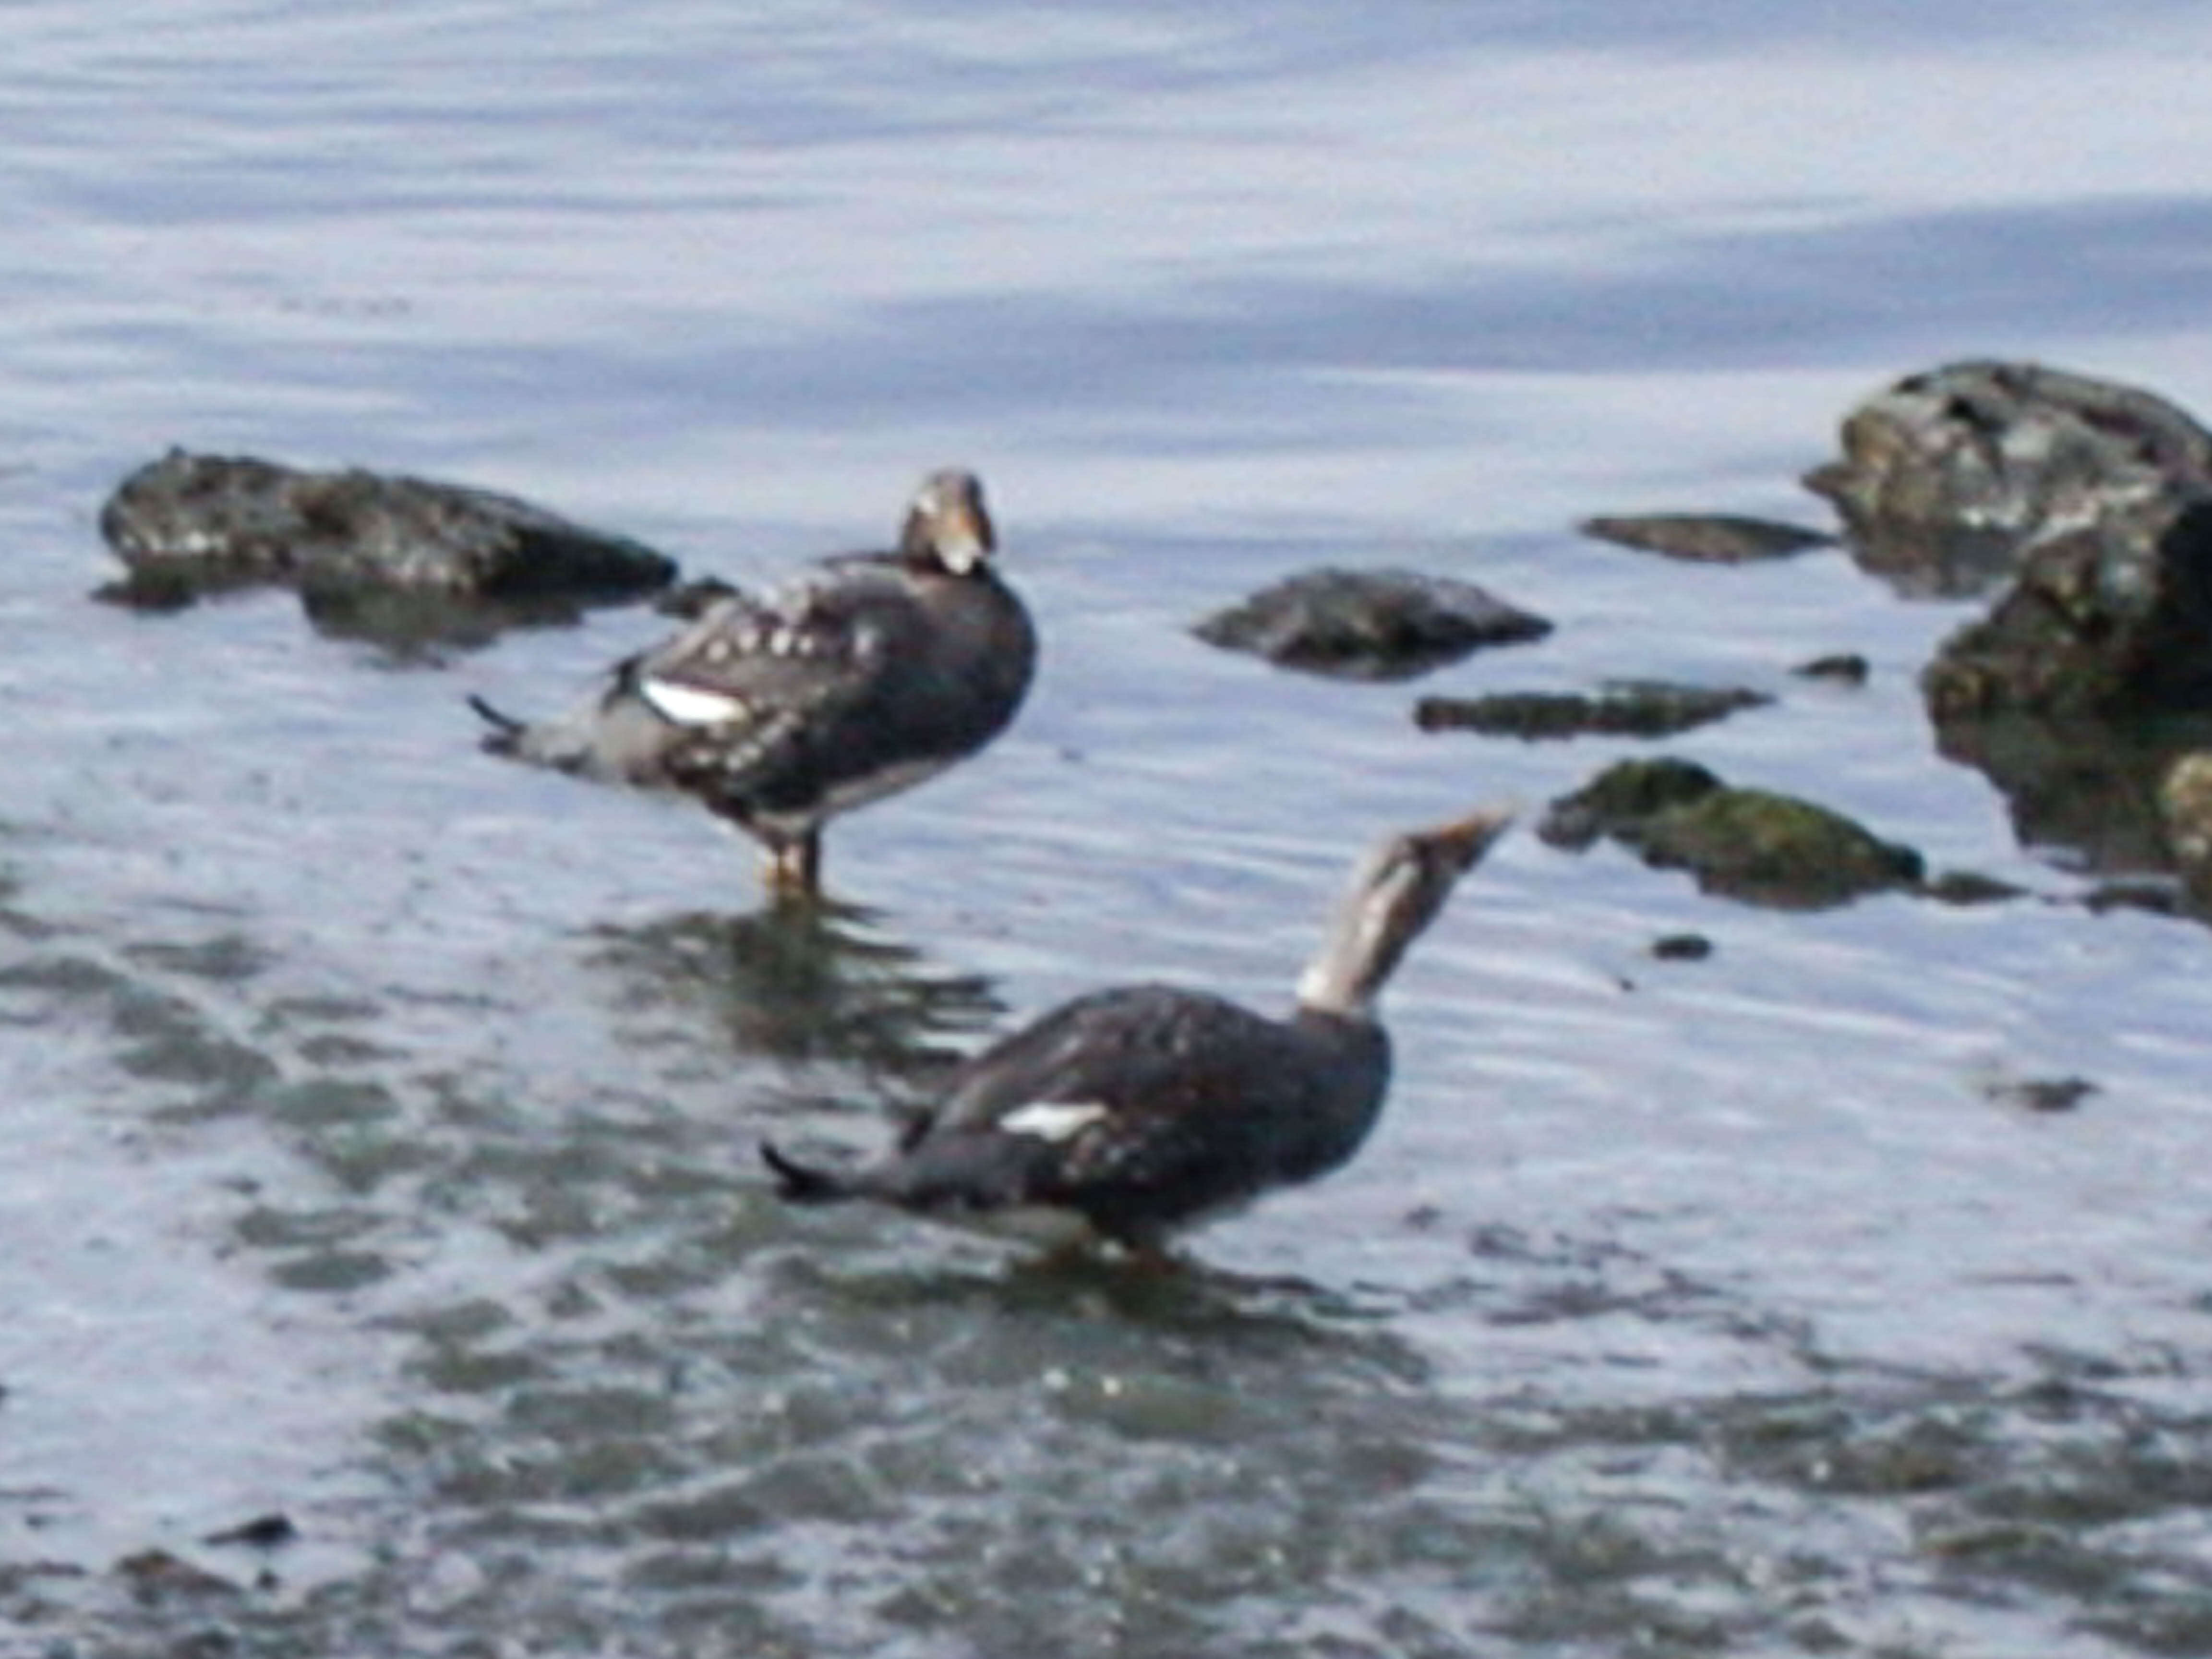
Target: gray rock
(1706,537)
(1948,476)
(1369,624)
(187,524)
(2092,668)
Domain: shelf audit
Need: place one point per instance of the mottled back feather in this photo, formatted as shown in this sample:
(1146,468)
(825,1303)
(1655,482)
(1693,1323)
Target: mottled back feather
(863,664)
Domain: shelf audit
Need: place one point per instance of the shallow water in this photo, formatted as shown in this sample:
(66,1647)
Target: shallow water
(383,1116)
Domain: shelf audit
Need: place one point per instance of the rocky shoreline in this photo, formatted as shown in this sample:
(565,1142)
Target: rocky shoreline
(2081,508)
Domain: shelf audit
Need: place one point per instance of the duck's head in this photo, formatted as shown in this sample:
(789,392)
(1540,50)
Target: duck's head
(1398,890)
(946,523)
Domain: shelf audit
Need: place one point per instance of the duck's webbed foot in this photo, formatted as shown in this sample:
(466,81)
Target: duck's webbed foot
(793,868)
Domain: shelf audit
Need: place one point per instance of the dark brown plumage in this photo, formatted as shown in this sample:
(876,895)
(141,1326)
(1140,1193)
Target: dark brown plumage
(1133,1113)
(865,676)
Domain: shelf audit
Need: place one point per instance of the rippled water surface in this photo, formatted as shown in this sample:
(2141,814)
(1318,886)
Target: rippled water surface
(381,1119)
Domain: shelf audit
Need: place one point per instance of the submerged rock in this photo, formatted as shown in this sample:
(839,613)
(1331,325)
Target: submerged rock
(1947,476)
(2040,1094)
(1967,889)
(1845,667)
(1706,538)
(187,524)
(1369,624)
(1749,844)
(1632,708)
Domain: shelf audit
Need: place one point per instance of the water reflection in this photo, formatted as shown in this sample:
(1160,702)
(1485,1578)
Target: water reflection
(818,982)
(2088,787)
(409,628)
(427,628)
(1280,1316)
(1938,561)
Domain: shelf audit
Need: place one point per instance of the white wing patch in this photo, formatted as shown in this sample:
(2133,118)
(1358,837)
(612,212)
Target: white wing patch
(1053,1120)
(687,705)
(962,555)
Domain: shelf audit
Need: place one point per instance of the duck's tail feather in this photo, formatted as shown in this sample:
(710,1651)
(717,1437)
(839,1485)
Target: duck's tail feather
(506,734)
(615,736)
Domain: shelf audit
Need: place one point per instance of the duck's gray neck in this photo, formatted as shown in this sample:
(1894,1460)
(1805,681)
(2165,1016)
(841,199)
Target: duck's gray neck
(1354,961)
(1327,991)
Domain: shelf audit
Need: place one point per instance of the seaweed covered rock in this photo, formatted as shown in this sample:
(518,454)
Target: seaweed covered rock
(1369,624)
(1623,798)
(2111,615)
(1634,709)
(1777,849)
(1749,844)
(1948,476)
(189,524)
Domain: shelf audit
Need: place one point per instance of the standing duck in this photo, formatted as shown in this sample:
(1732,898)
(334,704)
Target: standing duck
(1132,1114)
(862,678)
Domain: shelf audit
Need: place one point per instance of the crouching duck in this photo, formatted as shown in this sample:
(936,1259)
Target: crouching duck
(864,677)
(1131,1115)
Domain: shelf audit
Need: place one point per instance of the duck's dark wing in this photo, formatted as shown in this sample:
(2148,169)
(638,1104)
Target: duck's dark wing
(856,683)
(1142,1107)
(737,689)
(1135,1049)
